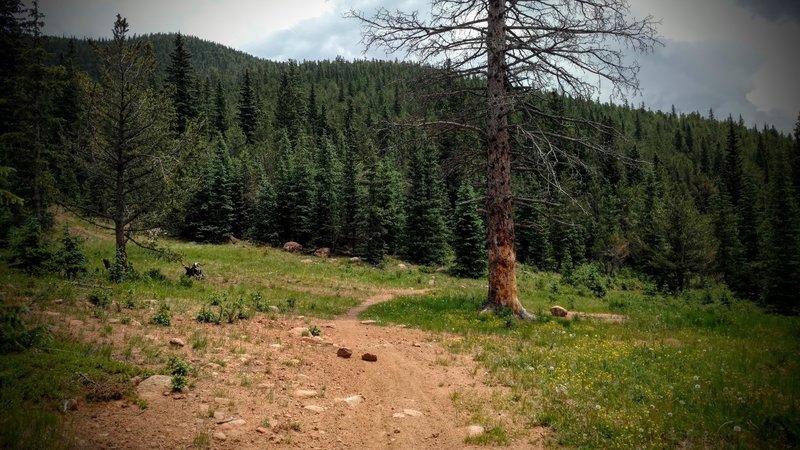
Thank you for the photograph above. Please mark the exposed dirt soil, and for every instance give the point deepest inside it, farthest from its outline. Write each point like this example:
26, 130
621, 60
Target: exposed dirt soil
261, 384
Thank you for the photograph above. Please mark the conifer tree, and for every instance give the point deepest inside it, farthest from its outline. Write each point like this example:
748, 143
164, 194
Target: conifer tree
304, 193
781, 281
349, 192
470, 235
180, 76
220, 118
248, 114
328, 183
391, 199
263, 223
371, 220
426, 226
290, 108
284, 187
211, 211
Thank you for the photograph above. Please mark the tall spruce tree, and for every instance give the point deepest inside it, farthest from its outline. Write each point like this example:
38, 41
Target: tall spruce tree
469, 243
220, 113
426, 227
248, 113
180, 77
211, 211
263, 227
329, 202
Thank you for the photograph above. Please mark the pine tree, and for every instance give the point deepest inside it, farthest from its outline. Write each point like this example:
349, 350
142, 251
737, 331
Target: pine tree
426, 226
349, 192
220, 118
290, 108
733, 175
730, 256
329, 205
248, 114
303, 188
263, 224
371, 219
284, 187
180, 76
211, 210
781, 281
391, 199
470, 235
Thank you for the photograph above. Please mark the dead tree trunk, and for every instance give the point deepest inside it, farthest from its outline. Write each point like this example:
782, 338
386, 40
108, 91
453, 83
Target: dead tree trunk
499, 207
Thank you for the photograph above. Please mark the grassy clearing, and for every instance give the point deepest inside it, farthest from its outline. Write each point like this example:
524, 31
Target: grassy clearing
698, 370
36, 384
702, 370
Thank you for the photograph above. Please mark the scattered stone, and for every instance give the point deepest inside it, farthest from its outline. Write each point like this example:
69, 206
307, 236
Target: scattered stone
219, 415
441, 269
323, 252
301, 393
154, 385
178, 397
262, 430
58, 301
402, 266
307, 261
431, 282
474, 430
220, 400
398, 415
369, 357
220, 436
368, 322
177, 341
276, 346
412, 413
213, 366
234, 424
52, 313
344, 352
299, 331
265, 386
352, 401
71, 405
355, 259
274, 309
559, 311
293, 247
416, 344
315, 408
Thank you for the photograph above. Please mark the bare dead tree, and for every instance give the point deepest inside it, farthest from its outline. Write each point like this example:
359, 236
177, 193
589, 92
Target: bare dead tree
517, 50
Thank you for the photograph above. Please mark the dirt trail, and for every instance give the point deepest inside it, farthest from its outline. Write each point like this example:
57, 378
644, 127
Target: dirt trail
262, 373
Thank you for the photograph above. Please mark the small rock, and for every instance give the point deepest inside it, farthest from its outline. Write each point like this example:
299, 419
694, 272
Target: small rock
307, 261
219, 415
177, 341
416, 344
262, 430
293, 247
315, 408
299, 331
412, 413
220, 436
368, 322
71, 405
323, 252
474, 430
276, 346
369, 357
234, 424
398, 415
402, 266
301, 393
58, 301
154, 385
352, 401
274, 309
355, 259
221, 400
441, 269
559, 311
344, 352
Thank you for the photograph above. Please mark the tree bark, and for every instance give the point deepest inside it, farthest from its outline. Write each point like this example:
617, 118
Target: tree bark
499, 207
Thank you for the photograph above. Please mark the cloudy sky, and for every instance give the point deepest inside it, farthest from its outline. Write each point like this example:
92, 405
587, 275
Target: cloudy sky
735, 56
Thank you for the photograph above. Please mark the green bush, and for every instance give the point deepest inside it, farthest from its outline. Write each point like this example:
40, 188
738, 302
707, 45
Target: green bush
100, 299
314, 330
179, 369
28, 248
15, 336
69, 257
589, 276
206, 315
163, 315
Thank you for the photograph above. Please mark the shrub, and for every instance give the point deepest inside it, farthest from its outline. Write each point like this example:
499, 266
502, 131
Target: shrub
156, 275
207, 316
179, 369
100, 299
14, 335
589, 276
70, 257
29, 250
163, 315
314, 330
